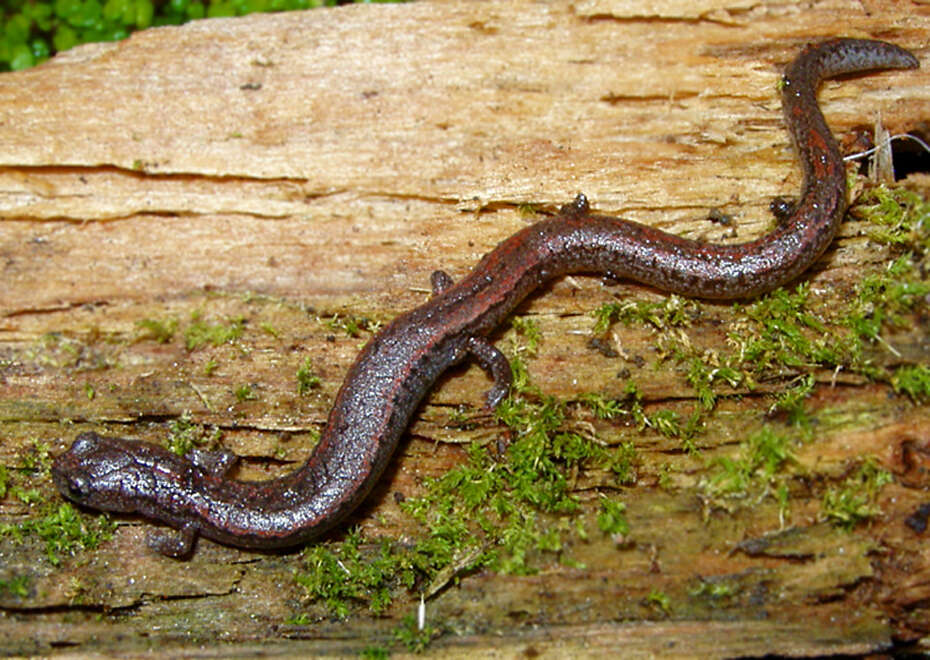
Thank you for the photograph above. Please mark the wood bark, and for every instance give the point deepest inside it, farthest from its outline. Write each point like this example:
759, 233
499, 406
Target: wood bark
288, 168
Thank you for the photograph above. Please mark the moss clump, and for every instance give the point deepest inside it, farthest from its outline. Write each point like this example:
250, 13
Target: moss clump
855, 500
200, 333
59, 526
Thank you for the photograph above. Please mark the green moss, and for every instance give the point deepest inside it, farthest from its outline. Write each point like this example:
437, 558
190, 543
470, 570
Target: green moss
786, 333
528, 330
703, 378
375, 653
791, 401
340, 574
666, 422
17, 586
324, 577
200, 333
786, 337
883, 299
612, 518
604, 408
244, 393
660, 600
855, 500
527, 211
269, 329
671, 312
900, 217
54, 349
351, 326
184, 435
715, 589
14, 486
412, 636
59, 526
756, 471
913, 380
64, 531
623, 463
665, 476
160, 331
461, 418
306, 379
36, 459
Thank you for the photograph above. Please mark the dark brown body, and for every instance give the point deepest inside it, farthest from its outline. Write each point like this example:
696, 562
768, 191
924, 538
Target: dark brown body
400, 364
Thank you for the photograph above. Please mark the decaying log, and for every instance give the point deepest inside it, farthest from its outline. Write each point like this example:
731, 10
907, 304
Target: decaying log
289, 168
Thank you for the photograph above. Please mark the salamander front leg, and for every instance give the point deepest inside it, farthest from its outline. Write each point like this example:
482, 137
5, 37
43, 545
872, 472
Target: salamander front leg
218, 462
177, 544
490, 359
497, 367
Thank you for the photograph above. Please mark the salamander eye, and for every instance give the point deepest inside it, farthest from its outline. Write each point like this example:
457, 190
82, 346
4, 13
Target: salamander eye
79, 488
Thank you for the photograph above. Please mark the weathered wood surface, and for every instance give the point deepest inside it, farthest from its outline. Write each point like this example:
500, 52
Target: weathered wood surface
285, 167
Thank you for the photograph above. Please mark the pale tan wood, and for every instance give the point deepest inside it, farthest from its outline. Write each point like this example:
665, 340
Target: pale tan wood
289, 167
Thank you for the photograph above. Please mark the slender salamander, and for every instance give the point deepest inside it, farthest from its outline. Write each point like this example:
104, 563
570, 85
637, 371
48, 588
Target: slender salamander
399, 365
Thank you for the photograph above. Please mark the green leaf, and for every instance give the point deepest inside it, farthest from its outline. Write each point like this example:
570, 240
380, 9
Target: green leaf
17, 28
117, 10
89, 15
66, 8
40, 50
64, 38
144, 13
39, 13
219, 9
22, 58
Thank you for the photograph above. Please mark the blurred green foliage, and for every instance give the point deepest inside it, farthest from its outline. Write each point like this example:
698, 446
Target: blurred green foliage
31, 31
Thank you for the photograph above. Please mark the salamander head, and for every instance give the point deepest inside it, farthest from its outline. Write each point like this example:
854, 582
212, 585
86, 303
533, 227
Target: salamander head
110, 474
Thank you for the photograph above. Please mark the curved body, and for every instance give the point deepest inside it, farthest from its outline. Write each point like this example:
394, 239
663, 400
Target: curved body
399, 365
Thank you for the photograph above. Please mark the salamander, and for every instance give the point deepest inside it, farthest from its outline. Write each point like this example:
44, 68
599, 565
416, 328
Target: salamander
394, 371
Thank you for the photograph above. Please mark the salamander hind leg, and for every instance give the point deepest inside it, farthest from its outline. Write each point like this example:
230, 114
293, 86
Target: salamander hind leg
440, 281
579, 206
497, 367
782, 209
